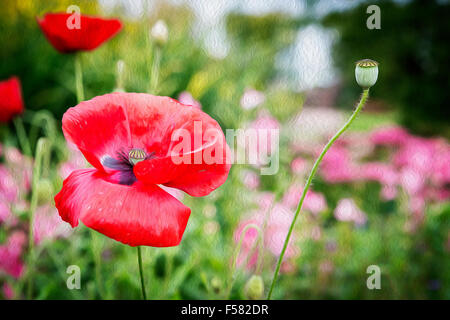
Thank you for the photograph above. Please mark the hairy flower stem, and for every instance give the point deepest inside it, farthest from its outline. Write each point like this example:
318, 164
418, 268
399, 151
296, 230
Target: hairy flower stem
308, 184
40, 150
154, 72
78, 78
141, 272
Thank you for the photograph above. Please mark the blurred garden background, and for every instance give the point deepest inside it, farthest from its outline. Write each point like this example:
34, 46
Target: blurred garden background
382, 193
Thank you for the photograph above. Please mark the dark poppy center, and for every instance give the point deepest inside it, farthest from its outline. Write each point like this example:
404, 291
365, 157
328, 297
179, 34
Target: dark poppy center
124, 162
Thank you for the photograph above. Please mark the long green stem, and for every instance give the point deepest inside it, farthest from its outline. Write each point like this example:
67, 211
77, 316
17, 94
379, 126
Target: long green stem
141, 273
154, 73
34, 199
308, 184
22, 136
78, 78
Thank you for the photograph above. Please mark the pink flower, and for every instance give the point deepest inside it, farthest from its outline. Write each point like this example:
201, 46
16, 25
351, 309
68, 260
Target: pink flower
263, 125
76, 161
248, 242
187, 99
385, 174
412, 180
417, 153
48, 225
250, 179
299, 165
346, 210
251, 99
391, 136
389, 192
8, 292
20, 168
265, 200
441, 173
10, 254
277, 226
8, 186
314, 202
337, 166
6, 216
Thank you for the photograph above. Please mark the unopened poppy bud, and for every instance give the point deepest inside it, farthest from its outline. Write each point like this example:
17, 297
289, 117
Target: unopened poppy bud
44, 191
254, 288
136, 155
366, 73
160, 32
216, 284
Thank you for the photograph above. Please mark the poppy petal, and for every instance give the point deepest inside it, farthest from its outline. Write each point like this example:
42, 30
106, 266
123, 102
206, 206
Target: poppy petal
134, 215
91, 33
99, 130
118, 122
11, 102
198, 168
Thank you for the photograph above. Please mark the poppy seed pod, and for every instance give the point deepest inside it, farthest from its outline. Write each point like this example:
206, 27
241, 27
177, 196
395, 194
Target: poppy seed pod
254, 288
366, 73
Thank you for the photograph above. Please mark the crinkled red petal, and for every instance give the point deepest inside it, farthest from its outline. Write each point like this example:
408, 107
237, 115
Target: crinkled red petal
11, 102
135, 215
61, 31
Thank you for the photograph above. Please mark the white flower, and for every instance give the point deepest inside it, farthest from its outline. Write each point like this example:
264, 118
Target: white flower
160, 32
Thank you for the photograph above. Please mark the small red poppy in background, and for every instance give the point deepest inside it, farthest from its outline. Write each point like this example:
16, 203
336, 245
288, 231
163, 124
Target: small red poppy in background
88, 35
11, 102
128, 138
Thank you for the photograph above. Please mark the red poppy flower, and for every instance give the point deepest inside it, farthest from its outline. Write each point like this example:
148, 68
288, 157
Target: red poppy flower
11, 102
92, 31
131, 140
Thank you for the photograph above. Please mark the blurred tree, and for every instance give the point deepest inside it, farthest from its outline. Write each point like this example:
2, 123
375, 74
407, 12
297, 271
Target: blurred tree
412, 49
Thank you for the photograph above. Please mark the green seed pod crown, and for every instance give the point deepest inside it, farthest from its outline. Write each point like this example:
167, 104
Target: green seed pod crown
366, 73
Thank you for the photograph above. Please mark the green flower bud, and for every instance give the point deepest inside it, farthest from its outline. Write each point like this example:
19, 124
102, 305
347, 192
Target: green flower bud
366, 73
216, 284
160, 33
44, 190
254, 288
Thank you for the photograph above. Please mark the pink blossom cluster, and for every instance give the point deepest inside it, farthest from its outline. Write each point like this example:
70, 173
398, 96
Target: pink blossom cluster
15, 194
405, 166
273, 220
